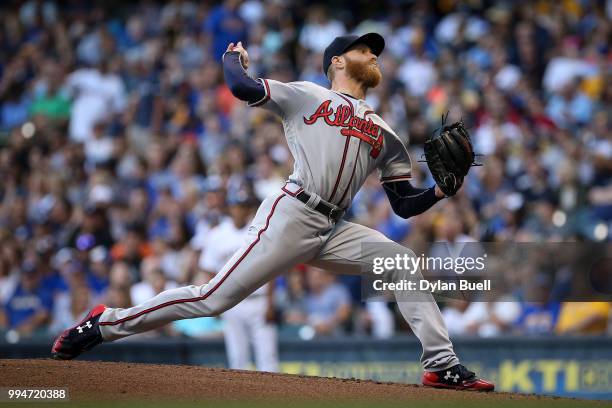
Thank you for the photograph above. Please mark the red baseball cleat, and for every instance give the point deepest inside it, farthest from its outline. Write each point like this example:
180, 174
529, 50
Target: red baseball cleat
457, 378
82, 337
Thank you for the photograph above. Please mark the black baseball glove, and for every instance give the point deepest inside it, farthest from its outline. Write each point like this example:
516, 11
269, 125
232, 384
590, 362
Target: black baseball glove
449, 155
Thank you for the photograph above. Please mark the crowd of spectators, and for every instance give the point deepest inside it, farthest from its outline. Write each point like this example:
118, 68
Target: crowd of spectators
120, 143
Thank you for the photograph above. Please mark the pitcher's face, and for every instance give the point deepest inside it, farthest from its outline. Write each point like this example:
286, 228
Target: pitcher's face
362, 66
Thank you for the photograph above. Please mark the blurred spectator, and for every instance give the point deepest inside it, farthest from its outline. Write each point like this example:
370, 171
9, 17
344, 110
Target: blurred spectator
15, 106
319, 29
570, 107
540, 313
50, 101
485, 319
378, 319
292, 298
118, 297
152, 282
417, 72
133, 247
92, 230
100, 147
225, 25
120, 276
98, 93
29, 307
326, 304
99, 269
71, 308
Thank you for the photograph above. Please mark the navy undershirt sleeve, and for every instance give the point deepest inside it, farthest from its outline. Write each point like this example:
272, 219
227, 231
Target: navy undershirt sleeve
408, 201
239, 82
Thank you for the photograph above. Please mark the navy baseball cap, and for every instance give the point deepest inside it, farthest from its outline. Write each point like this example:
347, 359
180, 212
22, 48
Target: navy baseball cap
341, 44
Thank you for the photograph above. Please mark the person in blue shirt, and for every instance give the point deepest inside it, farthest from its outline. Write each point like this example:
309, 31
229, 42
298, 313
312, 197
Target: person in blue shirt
226, 26
540, 308
327, 305
29, 307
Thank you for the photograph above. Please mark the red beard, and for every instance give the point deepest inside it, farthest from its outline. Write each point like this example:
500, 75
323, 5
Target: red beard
367, 74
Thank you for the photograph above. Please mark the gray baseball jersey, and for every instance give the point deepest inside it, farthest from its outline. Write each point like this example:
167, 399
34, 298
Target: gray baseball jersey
337, 141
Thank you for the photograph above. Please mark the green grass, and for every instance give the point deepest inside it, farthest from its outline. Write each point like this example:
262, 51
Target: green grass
518, 403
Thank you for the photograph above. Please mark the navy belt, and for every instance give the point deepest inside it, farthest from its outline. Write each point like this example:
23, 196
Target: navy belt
333, 213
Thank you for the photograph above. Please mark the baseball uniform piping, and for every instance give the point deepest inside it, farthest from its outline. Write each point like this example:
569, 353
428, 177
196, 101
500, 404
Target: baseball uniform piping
352, 174
396, 178
355, 166
290, 193
211, 291
346, 145
266, 96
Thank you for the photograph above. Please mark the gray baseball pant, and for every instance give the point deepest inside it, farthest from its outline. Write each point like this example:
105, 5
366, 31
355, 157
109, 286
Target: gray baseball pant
284, 232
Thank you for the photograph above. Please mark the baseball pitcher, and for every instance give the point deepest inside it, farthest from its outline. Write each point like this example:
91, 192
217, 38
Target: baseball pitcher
337, 140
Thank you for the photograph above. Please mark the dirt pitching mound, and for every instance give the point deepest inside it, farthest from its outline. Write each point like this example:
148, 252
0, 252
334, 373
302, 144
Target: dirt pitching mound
103, 382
